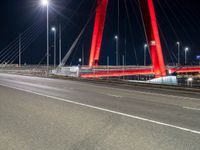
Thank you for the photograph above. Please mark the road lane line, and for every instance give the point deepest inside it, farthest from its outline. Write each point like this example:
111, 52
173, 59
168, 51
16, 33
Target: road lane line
106, 110
147, 93
112, 95
191, 108
136, 91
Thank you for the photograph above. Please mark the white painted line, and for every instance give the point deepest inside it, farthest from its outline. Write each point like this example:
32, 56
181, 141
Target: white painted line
136, 91
107, 110
148, 93
191, 108
112, 95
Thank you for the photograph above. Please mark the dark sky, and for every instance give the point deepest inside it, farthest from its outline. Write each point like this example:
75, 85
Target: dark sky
179, 20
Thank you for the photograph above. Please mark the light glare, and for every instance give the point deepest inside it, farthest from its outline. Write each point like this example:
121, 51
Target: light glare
44, 2
53, 29
187, 49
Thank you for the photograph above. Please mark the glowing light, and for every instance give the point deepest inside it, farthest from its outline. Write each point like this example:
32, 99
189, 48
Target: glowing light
187, 49
170, 71
45, 2
53, 29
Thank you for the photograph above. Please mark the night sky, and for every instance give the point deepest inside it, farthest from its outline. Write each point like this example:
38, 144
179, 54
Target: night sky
179, 20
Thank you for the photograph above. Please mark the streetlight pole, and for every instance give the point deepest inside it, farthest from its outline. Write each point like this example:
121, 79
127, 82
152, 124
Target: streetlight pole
20, 50
83, 60
117, 50
123, 61
186, 50
145, 53
178, 46
54, 31
108, 63
46, 4
60, 44
47, 36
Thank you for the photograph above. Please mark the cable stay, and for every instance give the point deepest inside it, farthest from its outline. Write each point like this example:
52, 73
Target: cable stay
27, 38
65, 59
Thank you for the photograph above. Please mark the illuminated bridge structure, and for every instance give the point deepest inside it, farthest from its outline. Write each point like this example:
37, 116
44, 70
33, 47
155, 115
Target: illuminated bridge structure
158, 68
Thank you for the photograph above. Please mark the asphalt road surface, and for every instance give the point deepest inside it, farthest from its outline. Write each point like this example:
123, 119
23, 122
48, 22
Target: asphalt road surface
51, 114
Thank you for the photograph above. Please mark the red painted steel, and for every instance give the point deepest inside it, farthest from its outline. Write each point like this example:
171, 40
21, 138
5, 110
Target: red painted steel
118, 73
185, 70
98, 32
151, 30
153, 37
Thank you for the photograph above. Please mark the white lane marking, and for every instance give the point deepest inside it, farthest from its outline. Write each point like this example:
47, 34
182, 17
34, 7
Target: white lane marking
112, 95
191, 108
92, 84
106, 110
147, 93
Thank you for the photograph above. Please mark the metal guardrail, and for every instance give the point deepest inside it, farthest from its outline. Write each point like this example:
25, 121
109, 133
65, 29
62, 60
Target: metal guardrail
42, 72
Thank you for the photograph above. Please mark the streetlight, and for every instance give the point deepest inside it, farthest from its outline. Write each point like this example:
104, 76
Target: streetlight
145, 53
186, 50
178, 46
53, 29
117, 49
45, 3
79, 60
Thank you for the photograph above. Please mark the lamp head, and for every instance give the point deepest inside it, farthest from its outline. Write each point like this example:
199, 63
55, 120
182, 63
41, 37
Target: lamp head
53, 29
45, 2
187, 49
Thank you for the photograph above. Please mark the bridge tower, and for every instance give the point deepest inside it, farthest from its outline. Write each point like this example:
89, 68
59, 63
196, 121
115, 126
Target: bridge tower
98, 32
152, 35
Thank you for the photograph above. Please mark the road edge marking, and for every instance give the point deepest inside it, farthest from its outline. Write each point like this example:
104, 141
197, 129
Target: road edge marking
106, 110
192, 108
114, 88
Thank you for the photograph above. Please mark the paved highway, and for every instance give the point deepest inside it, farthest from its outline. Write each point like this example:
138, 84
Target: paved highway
51, 114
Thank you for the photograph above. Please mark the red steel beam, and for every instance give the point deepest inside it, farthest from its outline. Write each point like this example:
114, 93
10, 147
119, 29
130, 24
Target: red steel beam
118, 73
98, 32
153, 37
185, 70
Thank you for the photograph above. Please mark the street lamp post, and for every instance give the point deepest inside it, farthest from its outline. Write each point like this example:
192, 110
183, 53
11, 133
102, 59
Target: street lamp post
117, 50
186, 50
108, 63
54, 31
178, 46
145, 53
123, 61
20, 52
60, 44
46, 3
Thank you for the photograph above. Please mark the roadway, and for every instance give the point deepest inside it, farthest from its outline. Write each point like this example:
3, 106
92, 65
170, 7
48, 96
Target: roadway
48, 114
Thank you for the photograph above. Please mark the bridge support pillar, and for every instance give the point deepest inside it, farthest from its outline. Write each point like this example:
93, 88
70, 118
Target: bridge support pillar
153, 37
98, 32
